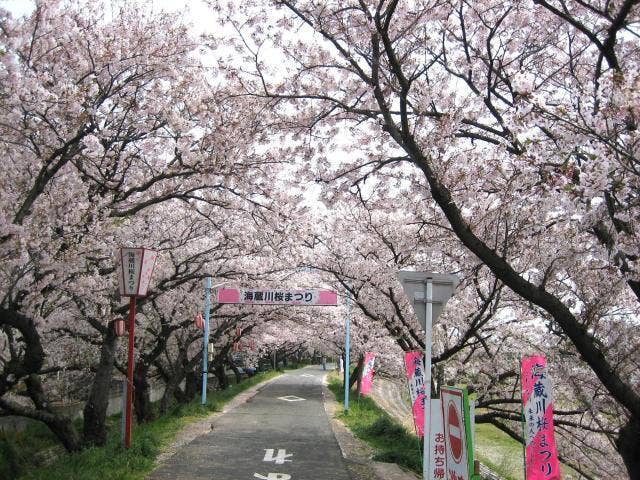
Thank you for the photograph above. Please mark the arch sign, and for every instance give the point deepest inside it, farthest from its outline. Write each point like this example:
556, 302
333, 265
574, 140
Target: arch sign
457, 432
268, 296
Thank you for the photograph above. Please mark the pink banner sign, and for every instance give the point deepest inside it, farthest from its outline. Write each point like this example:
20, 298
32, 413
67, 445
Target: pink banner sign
367, 374
541, 454
414, 364
263, 296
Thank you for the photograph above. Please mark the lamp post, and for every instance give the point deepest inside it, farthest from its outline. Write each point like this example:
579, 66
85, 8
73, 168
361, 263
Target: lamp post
347, 348
135, 267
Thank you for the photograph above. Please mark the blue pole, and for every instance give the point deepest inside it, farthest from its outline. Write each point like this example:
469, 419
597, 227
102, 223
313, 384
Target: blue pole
347, 347
205, 339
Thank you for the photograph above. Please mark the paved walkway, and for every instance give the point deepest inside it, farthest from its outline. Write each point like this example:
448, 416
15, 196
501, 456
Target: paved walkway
282, 433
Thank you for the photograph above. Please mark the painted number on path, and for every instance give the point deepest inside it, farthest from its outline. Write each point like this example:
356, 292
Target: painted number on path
273, 476
279, 459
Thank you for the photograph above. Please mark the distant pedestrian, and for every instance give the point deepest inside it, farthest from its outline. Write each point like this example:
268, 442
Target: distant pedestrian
324, 362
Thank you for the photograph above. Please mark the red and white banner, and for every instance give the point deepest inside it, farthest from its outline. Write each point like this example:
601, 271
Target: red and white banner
263, 296
438, 462
367, 373
541, 454
414, 364
455, 432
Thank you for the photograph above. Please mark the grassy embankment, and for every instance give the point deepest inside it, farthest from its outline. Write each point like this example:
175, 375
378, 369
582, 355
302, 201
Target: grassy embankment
392, 443
23, 455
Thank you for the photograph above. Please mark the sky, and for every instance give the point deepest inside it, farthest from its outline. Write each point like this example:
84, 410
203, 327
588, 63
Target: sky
196, 10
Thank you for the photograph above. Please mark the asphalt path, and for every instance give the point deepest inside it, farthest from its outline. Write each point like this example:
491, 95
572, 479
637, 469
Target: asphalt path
281, 433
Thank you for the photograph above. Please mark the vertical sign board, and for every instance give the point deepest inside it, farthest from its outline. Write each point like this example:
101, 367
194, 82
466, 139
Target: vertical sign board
541, 454
367, 373
438, 445
457, 432
135, 267
414, 365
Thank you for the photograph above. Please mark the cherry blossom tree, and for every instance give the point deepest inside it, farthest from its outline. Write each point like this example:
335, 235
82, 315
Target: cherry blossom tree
516, 121
114, 135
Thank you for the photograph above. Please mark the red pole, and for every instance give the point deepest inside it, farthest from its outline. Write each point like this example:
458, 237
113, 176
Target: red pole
132, 326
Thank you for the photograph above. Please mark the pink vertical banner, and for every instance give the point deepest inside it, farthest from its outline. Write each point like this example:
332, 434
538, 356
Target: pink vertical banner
541, 454
414, 364
367, 374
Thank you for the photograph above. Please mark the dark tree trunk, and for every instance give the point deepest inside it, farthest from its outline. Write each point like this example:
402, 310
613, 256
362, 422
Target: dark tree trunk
60, 425
95, 409
141, 393
171, 389
193, 384
628, 444
236, 372
355, 375
358, 377
220, 374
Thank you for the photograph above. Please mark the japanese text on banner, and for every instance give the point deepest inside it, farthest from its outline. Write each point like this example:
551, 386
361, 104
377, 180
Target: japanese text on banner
541, 455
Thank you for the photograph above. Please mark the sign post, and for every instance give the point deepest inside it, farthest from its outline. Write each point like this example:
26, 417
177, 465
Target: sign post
205, 339
135, 266
347, 348
428, 293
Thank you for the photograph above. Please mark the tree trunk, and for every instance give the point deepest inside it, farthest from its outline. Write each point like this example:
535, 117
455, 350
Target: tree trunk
236, 372
141, 394
360, 370
223, 381
354, 376
193, 384
60, 425
172, 386
95, 409
628, 444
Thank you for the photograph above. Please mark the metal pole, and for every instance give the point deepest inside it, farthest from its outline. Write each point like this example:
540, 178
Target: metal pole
132, 326
347, 347
428, 329
205, 339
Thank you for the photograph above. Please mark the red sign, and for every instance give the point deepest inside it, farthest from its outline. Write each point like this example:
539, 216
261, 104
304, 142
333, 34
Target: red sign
457, 432
454, 432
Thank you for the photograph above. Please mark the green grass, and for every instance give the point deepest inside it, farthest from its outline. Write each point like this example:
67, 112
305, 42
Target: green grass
498, 451
391, 442
113, 461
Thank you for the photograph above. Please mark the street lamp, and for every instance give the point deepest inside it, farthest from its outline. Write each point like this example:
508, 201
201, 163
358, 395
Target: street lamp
135, 267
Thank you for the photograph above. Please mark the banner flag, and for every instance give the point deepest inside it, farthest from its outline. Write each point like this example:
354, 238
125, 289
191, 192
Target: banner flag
541, 454
414, 364
367, 373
